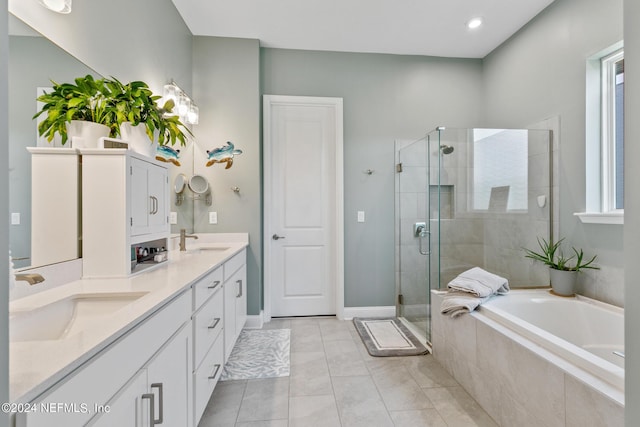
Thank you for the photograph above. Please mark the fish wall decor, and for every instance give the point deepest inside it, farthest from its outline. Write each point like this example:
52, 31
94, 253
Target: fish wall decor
223, 155
164, 153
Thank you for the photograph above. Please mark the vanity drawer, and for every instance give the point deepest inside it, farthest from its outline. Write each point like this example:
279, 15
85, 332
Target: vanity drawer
206, 287
206, 377
207, 324
234, 264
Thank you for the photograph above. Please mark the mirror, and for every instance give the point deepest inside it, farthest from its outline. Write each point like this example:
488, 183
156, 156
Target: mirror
34, 60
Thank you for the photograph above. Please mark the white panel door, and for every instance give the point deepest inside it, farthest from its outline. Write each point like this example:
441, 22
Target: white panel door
303, 204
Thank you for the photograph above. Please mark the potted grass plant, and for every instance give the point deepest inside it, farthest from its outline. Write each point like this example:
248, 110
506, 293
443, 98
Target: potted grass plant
563, 270
107, 104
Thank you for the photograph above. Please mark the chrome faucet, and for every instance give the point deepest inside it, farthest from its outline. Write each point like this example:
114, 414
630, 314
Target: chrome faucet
183, 237
30, 278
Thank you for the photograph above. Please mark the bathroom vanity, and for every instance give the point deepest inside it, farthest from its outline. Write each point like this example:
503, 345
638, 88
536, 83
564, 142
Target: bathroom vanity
141, 350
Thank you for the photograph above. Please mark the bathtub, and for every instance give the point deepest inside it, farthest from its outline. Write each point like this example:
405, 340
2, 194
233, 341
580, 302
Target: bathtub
584, 332
530, 358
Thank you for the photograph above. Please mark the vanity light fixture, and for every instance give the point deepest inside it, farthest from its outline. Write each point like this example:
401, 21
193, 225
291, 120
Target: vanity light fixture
474, 23
184, 107
193, 115
60, 6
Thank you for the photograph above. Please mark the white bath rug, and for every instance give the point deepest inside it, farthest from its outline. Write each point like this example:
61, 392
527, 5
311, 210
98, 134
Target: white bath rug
259, 353
388, 337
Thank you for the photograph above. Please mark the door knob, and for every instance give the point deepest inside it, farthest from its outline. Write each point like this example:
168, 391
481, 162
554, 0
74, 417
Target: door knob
276, 237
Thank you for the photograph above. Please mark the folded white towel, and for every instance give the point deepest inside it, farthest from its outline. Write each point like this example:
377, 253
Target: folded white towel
457, 303
480, 283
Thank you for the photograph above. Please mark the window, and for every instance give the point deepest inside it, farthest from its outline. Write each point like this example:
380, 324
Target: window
604, 142
500, 170
612, 72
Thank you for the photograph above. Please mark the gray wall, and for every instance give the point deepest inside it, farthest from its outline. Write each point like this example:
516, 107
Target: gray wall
4, 217
539, 73
386, 97
226, 81
632, 212
119, 38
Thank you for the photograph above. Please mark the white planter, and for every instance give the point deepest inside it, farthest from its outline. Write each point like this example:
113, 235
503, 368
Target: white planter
138, 139
84, 134
563, 282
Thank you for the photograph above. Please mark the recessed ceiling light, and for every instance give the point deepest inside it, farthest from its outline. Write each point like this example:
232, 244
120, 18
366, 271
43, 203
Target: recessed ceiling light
474, 23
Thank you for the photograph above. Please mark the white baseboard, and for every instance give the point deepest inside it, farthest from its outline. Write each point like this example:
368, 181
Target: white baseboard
382, 311
255, 321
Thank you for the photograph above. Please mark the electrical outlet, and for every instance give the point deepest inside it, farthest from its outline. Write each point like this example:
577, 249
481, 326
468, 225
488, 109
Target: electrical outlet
360, 216
213, 217
15, 218
173, 217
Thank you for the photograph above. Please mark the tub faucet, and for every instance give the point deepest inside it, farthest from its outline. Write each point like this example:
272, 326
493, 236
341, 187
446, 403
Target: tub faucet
30, 278
183, 239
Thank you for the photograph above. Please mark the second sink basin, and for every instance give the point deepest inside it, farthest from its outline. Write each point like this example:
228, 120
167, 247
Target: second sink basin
202, 249
67, 316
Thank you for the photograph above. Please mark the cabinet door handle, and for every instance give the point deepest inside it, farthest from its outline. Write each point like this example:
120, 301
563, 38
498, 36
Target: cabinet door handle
161, 405
239, 282
215, 285
215, 323
152, 412
155, 205
213, 376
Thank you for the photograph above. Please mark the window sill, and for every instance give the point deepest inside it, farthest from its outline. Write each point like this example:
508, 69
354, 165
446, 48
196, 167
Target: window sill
601, 218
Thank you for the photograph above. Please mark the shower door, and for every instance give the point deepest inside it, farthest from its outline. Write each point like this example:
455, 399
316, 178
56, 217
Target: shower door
413, 235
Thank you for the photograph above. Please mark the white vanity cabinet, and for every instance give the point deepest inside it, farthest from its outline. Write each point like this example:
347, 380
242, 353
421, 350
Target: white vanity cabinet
55, 205
149, 197
208, 338
160, 390
235, 299
125, 202
157, 351
220, 312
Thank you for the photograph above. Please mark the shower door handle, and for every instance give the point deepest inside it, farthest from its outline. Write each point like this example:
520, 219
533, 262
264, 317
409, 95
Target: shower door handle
420, 231
423, 234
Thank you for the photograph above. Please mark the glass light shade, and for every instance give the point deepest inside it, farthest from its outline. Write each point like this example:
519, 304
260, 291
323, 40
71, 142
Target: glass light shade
60, 6
193, 115
172, 92
184, 103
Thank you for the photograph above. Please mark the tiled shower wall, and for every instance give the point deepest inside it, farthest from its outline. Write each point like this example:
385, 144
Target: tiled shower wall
492, 239
489, 239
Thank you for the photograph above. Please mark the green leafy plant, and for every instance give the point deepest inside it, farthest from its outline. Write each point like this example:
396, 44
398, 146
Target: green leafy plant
551, 254
111, 103
136, 104
88, 100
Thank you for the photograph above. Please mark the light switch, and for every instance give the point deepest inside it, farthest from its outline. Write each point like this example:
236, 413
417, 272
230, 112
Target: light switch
213, 217
15, 218
173, 217
360, 216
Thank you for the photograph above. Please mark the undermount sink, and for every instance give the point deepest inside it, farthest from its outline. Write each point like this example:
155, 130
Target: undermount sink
202, 249
67, 316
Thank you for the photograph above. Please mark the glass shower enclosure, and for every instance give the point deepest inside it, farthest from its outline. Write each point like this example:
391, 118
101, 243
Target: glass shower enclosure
466, 198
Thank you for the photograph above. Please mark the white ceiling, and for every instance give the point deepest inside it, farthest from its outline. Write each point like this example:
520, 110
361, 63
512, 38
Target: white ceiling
413, 27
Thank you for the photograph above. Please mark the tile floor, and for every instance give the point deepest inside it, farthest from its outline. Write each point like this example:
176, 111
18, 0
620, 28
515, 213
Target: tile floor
334, 382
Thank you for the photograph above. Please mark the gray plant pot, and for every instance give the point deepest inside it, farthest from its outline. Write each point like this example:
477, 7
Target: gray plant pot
563, 282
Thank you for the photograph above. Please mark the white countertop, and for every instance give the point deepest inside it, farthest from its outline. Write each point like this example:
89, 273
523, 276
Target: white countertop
37, 365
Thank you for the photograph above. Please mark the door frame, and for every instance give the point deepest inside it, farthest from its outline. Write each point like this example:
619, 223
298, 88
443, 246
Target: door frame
338, 275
